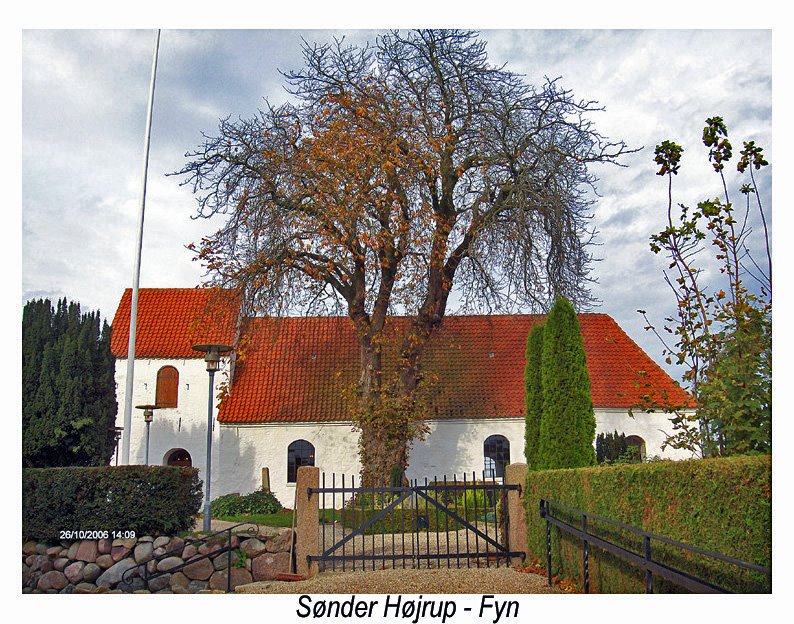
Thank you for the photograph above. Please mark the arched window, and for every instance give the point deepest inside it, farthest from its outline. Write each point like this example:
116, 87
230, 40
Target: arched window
496, 450
299, 453
178, 457
636, 445
167, 387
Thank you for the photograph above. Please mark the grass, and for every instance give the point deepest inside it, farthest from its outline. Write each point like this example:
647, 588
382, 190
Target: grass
281, 519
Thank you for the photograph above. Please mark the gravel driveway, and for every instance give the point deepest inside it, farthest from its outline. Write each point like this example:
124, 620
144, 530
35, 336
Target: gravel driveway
463, 581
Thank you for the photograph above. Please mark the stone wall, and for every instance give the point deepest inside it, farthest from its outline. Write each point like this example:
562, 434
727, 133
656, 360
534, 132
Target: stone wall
97, 566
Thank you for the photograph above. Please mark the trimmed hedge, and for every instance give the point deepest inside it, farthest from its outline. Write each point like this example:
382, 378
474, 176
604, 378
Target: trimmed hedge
723, 505
258, 502
149, 500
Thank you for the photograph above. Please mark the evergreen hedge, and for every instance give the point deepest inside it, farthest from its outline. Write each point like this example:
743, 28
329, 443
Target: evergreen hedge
149, 500
723, 505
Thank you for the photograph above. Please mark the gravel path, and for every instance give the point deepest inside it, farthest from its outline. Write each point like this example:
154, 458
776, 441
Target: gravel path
462, 581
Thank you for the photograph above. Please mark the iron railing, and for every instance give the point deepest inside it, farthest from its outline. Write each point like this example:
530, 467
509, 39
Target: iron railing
643, 560
142, 569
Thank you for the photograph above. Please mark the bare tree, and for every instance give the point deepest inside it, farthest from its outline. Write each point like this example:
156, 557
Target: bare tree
403, 171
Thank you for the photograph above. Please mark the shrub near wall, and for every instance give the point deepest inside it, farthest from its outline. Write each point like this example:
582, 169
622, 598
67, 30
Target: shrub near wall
144, 499
722, 505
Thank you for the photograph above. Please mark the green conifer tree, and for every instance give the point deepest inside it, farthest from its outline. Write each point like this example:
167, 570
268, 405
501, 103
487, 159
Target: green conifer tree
533, 396
567, 427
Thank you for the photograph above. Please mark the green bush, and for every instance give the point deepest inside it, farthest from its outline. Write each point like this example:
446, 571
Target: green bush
149, 500
258, 502
723, 505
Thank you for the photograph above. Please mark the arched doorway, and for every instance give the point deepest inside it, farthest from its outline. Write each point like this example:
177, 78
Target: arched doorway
496, 452
636, 445
178, 457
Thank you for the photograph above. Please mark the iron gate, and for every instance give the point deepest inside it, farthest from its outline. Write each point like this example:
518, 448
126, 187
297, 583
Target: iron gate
447, 522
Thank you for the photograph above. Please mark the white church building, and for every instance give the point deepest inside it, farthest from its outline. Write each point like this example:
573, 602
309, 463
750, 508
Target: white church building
283, 391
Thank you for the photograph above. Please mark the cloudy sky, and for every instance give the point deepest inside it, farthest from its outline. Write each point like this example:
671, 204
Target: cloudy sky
84, 96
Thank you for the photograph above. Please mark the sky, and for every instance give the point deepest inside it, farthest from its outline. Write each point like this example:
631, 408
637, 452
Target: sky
84, 99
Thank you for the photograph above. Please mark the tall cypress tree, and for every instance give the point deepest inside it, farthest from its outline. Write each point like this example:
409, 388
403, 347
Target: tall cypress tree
533, 395
68, 393
567, 427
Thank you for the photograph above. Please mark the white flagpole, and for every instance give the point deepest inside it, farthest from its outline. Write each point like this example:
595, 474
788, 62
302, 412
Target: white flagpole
125, 445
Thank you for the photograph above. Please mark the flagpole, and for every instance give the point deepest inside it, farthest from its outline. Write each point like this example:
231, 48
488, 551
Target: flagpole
128, 388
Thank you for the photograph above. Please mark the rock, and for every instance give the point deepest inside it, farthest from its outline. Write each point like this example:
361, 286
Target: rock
189, 551
74, 572
41, 563
72, 552
127, 543
195, 587
87, 551
41, 548
141, 591
29, 560
132, 586
52, 580
267, 531
161, 541
164, 591
221, 562
280, 543
119, 552
85, 588
112, 576
102, 590
159, 551
239, 576
91, 572
178, 581
27, 590
69, 589
54, 551
60, 563
176, 545
34, 579
253, 547
104, 546
143, 552
265, 567
104, 561
25, 574
169, 563
201, 570
145, 538
29, 548
159, 583
151, 567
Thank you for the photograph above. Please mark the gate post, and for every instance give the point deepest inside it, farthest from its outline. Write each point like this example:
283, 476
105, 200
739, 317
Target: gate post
516, 474
307, 510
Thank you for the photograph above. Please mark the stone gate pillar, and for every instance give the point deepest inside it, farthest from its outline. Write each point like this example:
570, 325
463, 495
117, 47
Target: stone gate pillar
516, 474
307, 510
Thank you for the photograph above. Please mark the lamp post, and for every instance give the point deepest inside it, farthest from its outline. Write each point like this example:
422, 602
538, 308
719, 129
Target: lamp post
148, 416
212, 357
117, 432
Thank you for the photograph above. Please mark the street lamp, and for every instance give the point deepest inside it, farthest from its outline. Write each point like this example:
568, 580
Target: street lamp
117, 433
212, 356
148, 416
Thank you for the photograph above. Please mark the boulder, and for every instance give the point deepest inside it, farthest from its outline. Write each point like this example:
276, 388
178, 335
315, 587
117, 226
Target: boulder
91, 572
195, 587
54, 551
41, 563
29, 548
112, 576
25, 574
74, 572
239, 576
175, 545
41, 548
161, 541
52, 580
104, 561
266, 566
87, 551
169, 563
159, 583
132, 585
85, 588
221, 562
104, 546
143, 552
253, 547
281, 542
145, 538
127, 543
178, 581
201, 570
72, 552
60, 563
191, 550
119, 552
69, 589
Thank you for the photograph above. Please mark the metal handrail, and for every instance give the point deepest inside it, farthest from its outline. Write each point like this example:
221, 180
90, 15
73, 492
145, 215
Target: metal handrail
147, 576
643, 560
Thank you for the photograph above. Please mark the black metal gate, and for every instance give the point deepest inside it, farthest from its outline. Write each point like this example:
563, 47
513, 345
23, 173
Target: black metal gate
440, 523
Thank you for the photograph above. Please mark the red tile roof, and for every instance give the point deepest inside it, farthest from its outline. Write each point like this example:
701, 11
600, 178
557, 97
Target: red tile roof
172, 320
300, 369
